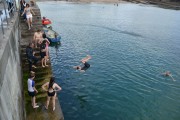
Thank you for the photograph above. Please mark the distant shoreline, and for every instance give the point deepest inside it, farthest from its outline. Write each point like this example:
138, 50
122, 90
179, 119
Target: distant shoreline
167, 5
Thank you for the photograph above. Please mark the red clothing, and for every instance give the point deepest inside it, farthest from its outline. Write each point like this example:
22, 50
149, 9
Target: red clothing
46, 21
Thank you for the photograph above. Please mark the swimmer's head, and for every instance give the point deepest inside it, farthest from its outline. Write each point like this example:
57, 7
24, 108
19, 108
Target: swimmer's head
77, 67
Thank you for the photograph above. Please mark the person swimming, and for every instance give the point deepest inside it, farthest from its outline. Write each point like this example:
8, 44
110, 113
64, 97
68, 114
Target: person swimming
168, 74
86, 64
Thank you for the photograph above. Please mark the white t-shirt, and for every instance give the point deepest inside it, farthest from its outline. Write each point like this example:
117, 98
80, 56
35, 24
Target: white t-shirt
31, 84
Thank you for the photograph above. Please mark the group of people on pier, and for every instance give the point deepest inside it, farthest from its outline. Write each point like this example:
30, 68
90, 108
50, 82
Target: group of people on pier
50, 87
39, 41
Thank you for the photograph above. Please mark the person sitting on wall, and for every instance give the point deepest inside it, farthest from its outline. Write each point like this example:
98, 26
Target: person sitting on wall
30, 56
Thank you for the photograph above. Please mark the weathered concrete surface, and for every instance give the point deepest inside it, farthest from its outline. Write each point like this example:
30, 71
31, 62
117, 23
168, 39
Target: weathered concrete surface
11, 90
42, 75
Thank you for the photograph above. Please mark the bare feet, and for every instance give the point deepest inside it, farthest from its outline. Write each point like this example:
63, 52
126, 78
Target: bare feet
34, 66
53, 108
36, 106
32, 72
43, 66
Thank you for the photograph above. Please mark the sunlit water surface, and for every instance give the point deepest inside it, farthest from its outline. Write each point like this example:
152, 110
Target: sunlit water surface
131, 45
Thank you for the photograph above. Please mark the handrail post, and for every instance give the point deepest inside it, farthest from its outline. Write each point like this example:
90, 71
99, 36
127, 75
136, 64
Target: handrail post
2, 23
14, 5
5, 13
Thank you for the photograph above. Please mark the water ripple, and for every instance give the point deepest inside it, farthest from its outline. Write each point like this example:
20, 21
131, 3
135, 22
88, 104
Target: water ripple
124, 81
107, 28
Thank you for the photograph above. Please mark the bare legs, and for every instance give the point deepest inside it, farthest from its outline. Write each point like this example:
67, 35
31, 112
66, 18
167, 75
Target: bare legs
86, 59
47, 102
53, 101
29, 25
34, 104
47, 54
29, 21
43, 62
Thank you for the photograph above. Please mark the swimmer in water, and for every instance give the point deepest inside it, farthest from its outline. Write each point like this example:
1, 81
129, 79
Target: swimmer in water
86, 64
168, 74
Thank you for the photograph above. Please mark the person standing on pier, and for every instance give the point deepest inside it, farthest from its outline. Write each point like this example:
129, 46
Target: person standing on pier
51, 87
47, 46
43, 54
37, 38
28, 12
32, 90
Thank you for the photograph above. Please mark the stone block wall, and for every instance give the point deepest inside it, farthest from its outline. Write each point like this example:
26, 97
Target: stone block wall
11, 93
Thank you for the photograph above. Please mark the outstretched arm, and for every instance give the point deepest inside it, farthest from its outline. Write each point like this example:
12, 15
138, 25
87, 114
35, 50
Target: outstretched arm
86, 59
23, 12
172, 77
32, 11
44, 85
58, 87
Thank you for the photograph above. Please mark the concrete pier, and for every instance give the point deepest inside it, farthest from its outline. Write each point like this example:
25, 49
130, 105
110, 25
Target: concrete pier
42, 75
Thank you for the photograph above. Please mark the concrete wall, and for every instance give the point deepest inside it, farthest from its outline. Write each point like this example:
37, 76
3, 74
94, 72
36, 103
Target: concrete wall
11, 96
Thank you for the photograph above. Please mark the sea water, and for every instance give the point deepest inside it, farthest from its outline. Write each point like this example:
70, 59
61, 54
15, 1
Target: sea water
131, 45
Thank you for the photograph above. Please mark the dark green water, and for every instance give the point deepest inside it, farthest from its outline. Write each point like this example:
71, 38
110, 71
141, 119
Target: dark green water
131, 45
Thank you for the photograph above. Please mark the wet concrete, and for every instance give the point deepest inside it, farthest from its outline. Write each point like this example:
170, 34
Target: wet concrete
42, 75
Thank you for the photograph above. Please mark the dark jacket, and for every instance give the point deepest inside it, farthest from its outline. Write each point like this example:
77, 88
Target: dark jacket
29, 52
